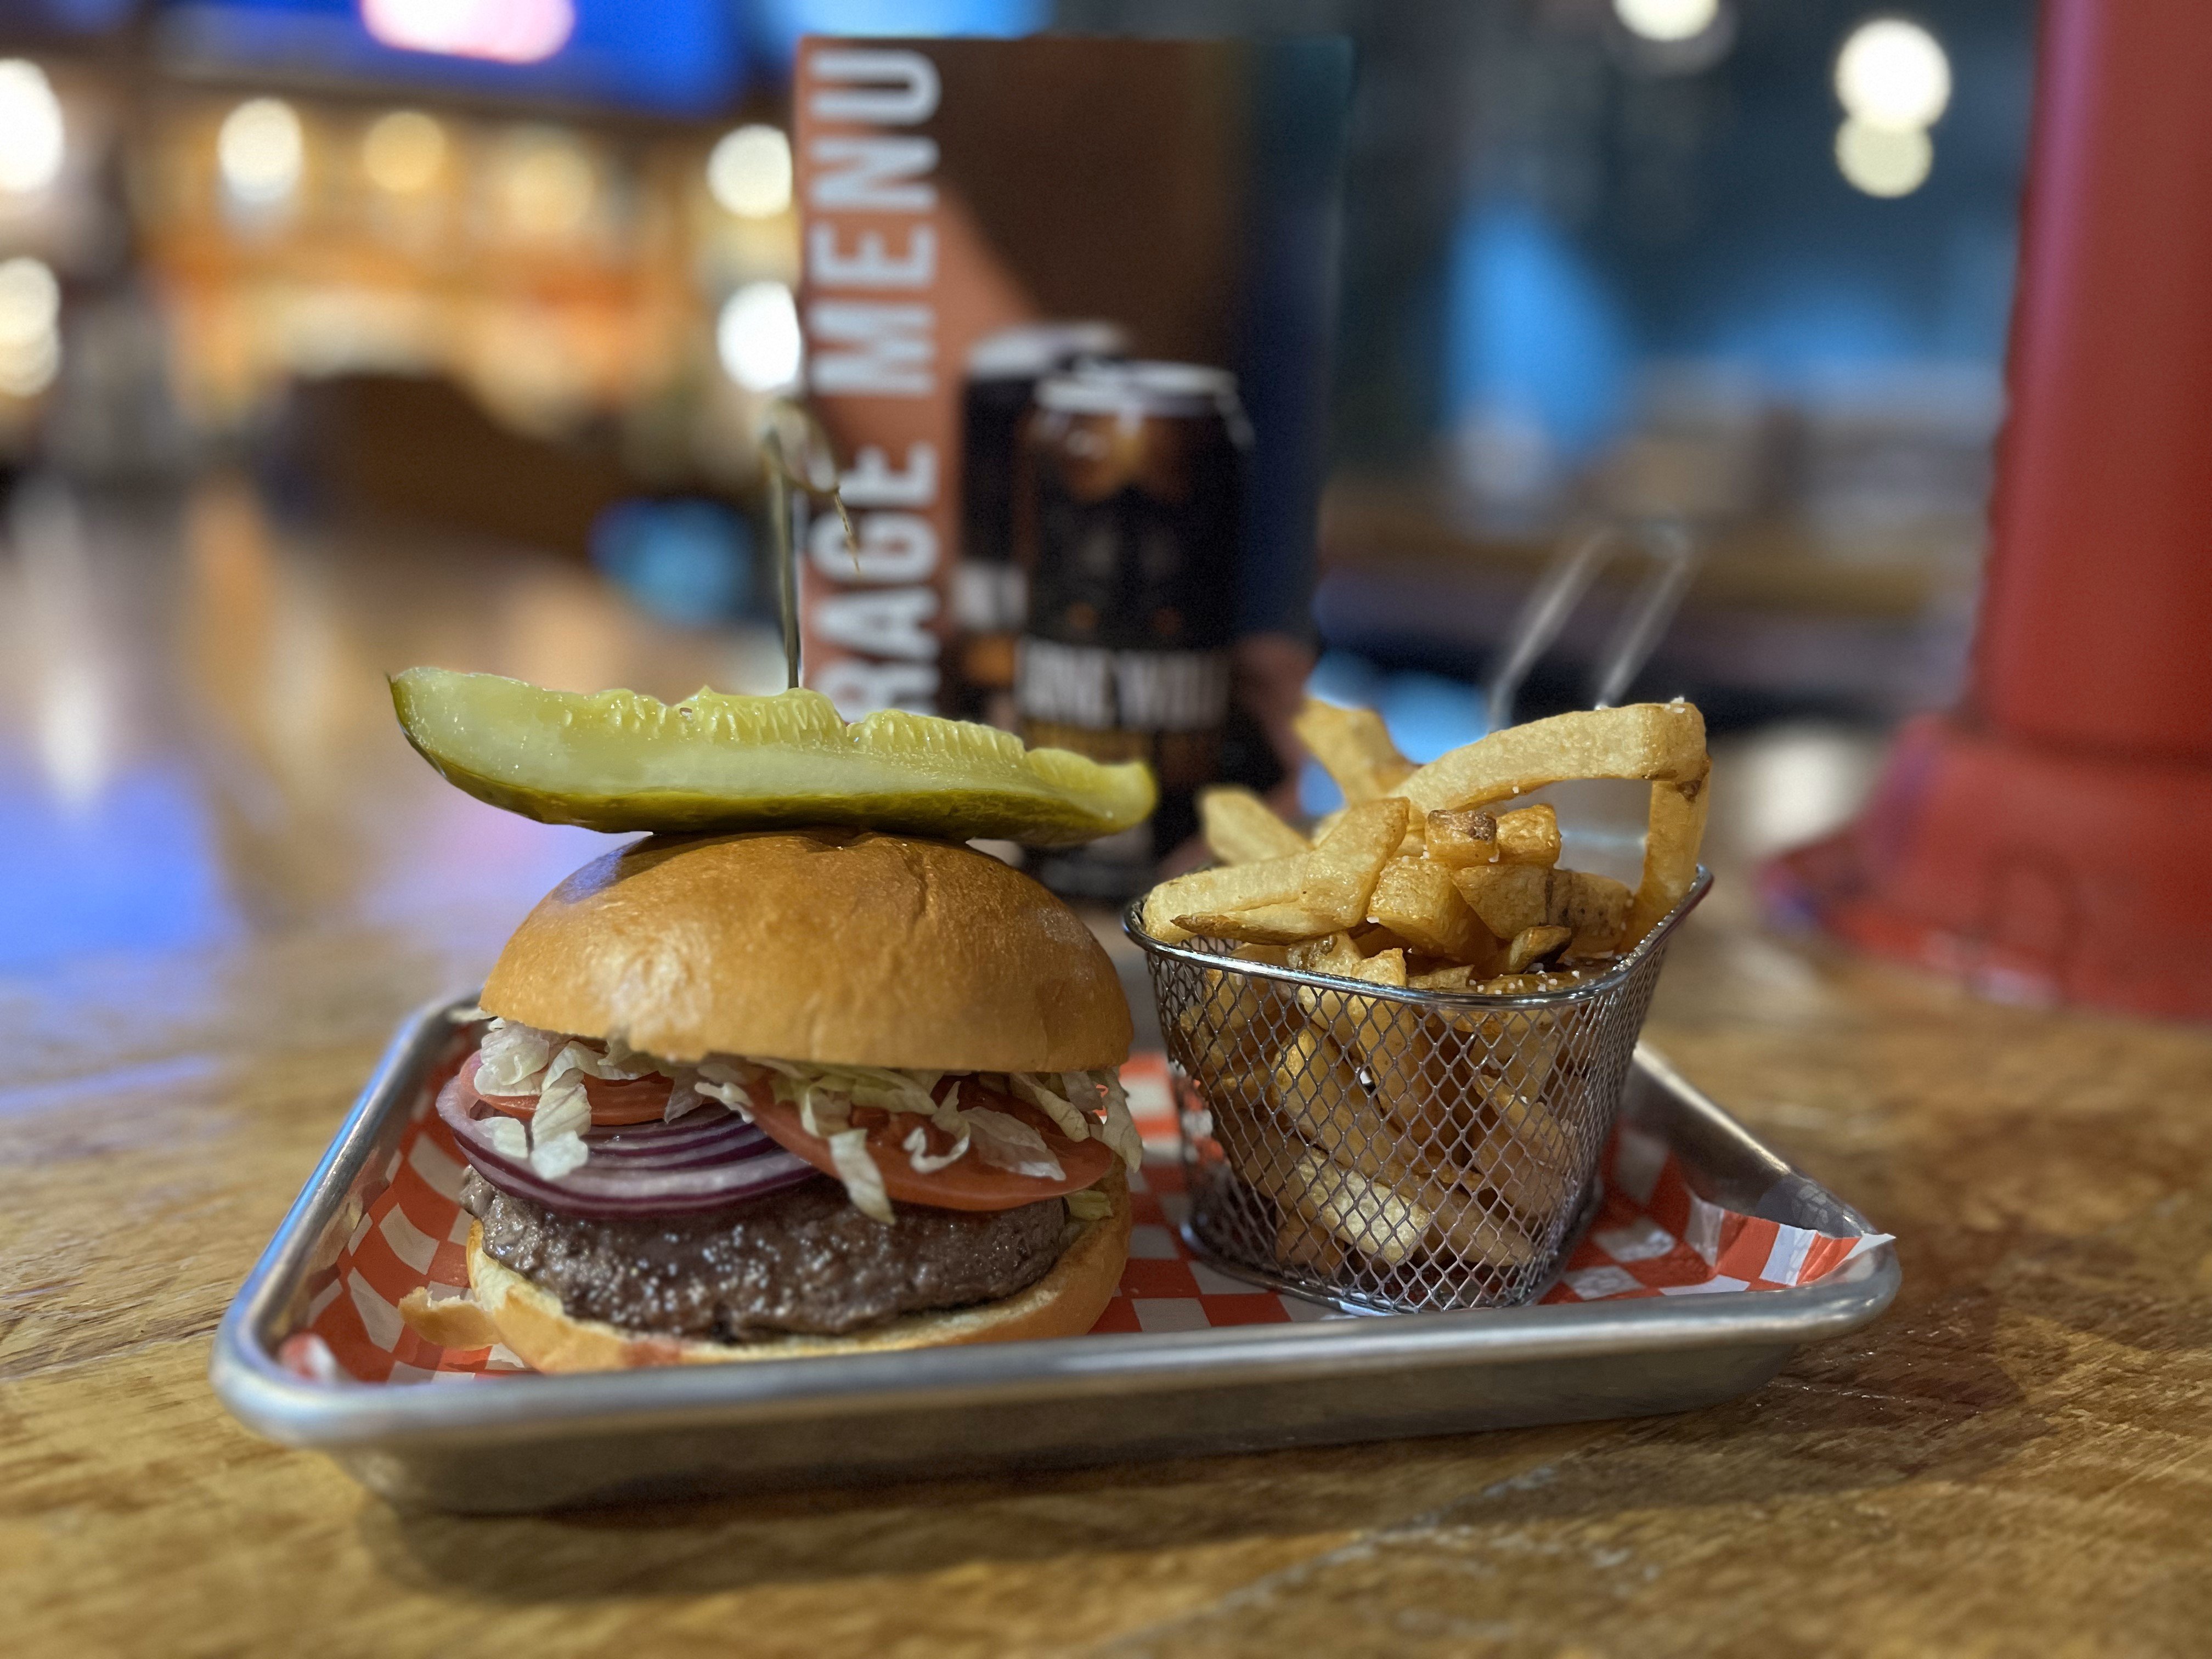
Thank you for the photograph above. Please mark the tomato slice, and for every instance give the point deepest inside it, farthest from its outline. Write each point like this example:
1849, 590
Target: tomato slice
641, 1100
968, 1184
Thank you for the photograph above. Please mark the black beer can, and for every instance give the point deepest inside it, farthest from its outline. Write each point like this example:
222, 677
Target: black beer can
990, 600
1129, 519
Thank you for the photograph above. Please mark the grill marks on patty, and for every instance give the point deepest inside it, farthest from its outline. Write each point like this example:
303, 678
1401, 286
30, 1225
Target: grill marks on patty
802, 1261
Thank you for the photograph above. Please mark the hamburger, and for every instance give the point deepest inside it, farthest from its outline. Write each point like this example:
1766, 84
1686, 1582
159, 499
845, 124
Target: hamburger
789, 1093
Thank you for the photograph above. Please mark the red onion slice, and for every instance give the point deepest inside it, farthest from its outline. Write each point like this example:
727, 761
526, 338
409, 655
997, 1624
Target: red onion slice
681, 1169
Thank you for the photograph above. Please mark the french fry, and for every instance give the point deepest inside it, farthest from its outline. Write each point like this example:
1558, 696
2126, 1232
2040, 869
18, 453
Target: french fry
1340, 873
1339, 1013
1481, 1231
1532, 947
1356, 1211
1298, 1242
1447, 1104
1354, 748
1677, 828
1331, 953
1372, 939
1276, 956
1658, 742
1458, 977
1319, 1095
1310, 1070
1417, 901
1318, 1092
1241, 887
1530, 835
1597, 910
1511, 898
1457, 839
1398, 1046
1241, 828
1471, 836
1383, 967
1523, 1158
1234, 1075
1664, 743
1229, 1045
1264, 924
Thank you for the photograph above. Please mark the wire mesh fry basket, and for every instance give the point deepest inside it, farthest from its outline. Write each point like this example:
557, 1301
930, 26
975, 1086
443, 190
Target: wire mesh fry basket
1392, 1150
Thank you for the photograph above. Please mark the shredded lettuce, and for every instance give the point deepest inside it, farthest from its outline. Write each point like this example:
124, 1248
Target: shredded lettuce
864, 1183
1005, 1142
683, 1096
507, 1136
511, 1060
555, 1156
1063, 1112
522, 1060
1120, 1131
924, 1161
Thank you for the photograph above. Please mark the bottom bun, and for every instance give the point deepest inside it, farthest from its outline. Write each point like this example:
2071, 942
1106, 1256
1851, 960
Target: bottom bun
1065, 1301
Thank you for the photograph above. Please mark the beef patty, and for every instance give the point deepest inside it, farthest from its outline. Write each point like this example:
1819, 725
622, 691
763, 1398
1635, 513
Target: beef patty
801, 1260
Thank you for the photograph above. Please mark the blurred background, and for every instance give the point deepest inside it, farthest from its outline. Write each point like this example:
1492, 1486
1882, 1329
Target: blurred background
340, 335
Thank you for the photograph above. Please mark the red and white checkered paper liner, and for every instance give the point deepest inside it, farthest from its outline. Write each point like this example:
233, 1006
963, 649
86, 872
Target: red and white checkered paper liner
1653, 1236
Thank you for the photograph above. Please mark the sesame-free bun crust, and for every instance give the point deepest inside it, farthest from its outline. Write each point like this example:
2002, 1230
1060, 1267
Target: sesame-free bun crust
827, 945
1065, 1301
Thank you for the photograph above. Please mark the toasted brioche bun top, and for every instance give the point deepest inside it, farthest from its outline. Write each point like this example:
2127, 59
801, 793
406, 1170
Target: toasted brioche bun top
827, 945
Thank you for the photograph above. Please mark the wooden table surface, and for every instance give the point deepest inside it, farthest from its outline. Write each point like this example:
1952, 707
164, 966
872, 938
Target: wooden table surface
226, 877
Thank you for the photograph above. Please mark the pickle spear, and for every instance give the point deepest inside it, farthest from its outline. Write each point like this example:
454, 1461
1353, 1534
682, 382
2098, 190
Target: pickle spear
718, 761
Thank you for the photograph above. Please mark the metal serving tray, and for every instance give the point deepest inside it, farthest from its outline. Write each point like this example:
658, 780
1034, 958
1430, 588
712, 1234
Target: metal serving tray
533, 1443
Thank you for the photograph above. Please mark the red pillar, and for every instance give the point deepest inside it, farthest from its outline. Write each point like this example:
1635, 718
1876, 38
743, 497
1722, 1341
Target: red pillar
2053, 837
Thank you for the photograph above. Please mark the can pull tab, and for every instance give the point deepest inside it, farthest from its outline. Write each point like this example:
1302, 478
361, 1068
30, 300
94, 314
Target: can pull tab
796, 454
1674, 555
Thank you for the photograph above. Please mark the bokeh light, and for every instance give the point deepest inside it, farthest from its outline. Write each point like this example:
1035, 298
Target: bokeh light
1893, 75
503, 31
31, 137
30, 326
262, 151
1667, 20
757, 336
748, 172
404, 152
546, 183
1884, 161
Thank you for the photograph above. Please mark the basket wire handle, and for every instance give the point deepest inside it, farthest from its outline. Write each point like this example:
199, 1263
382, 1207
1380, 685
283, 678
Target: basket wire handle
1582, 554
